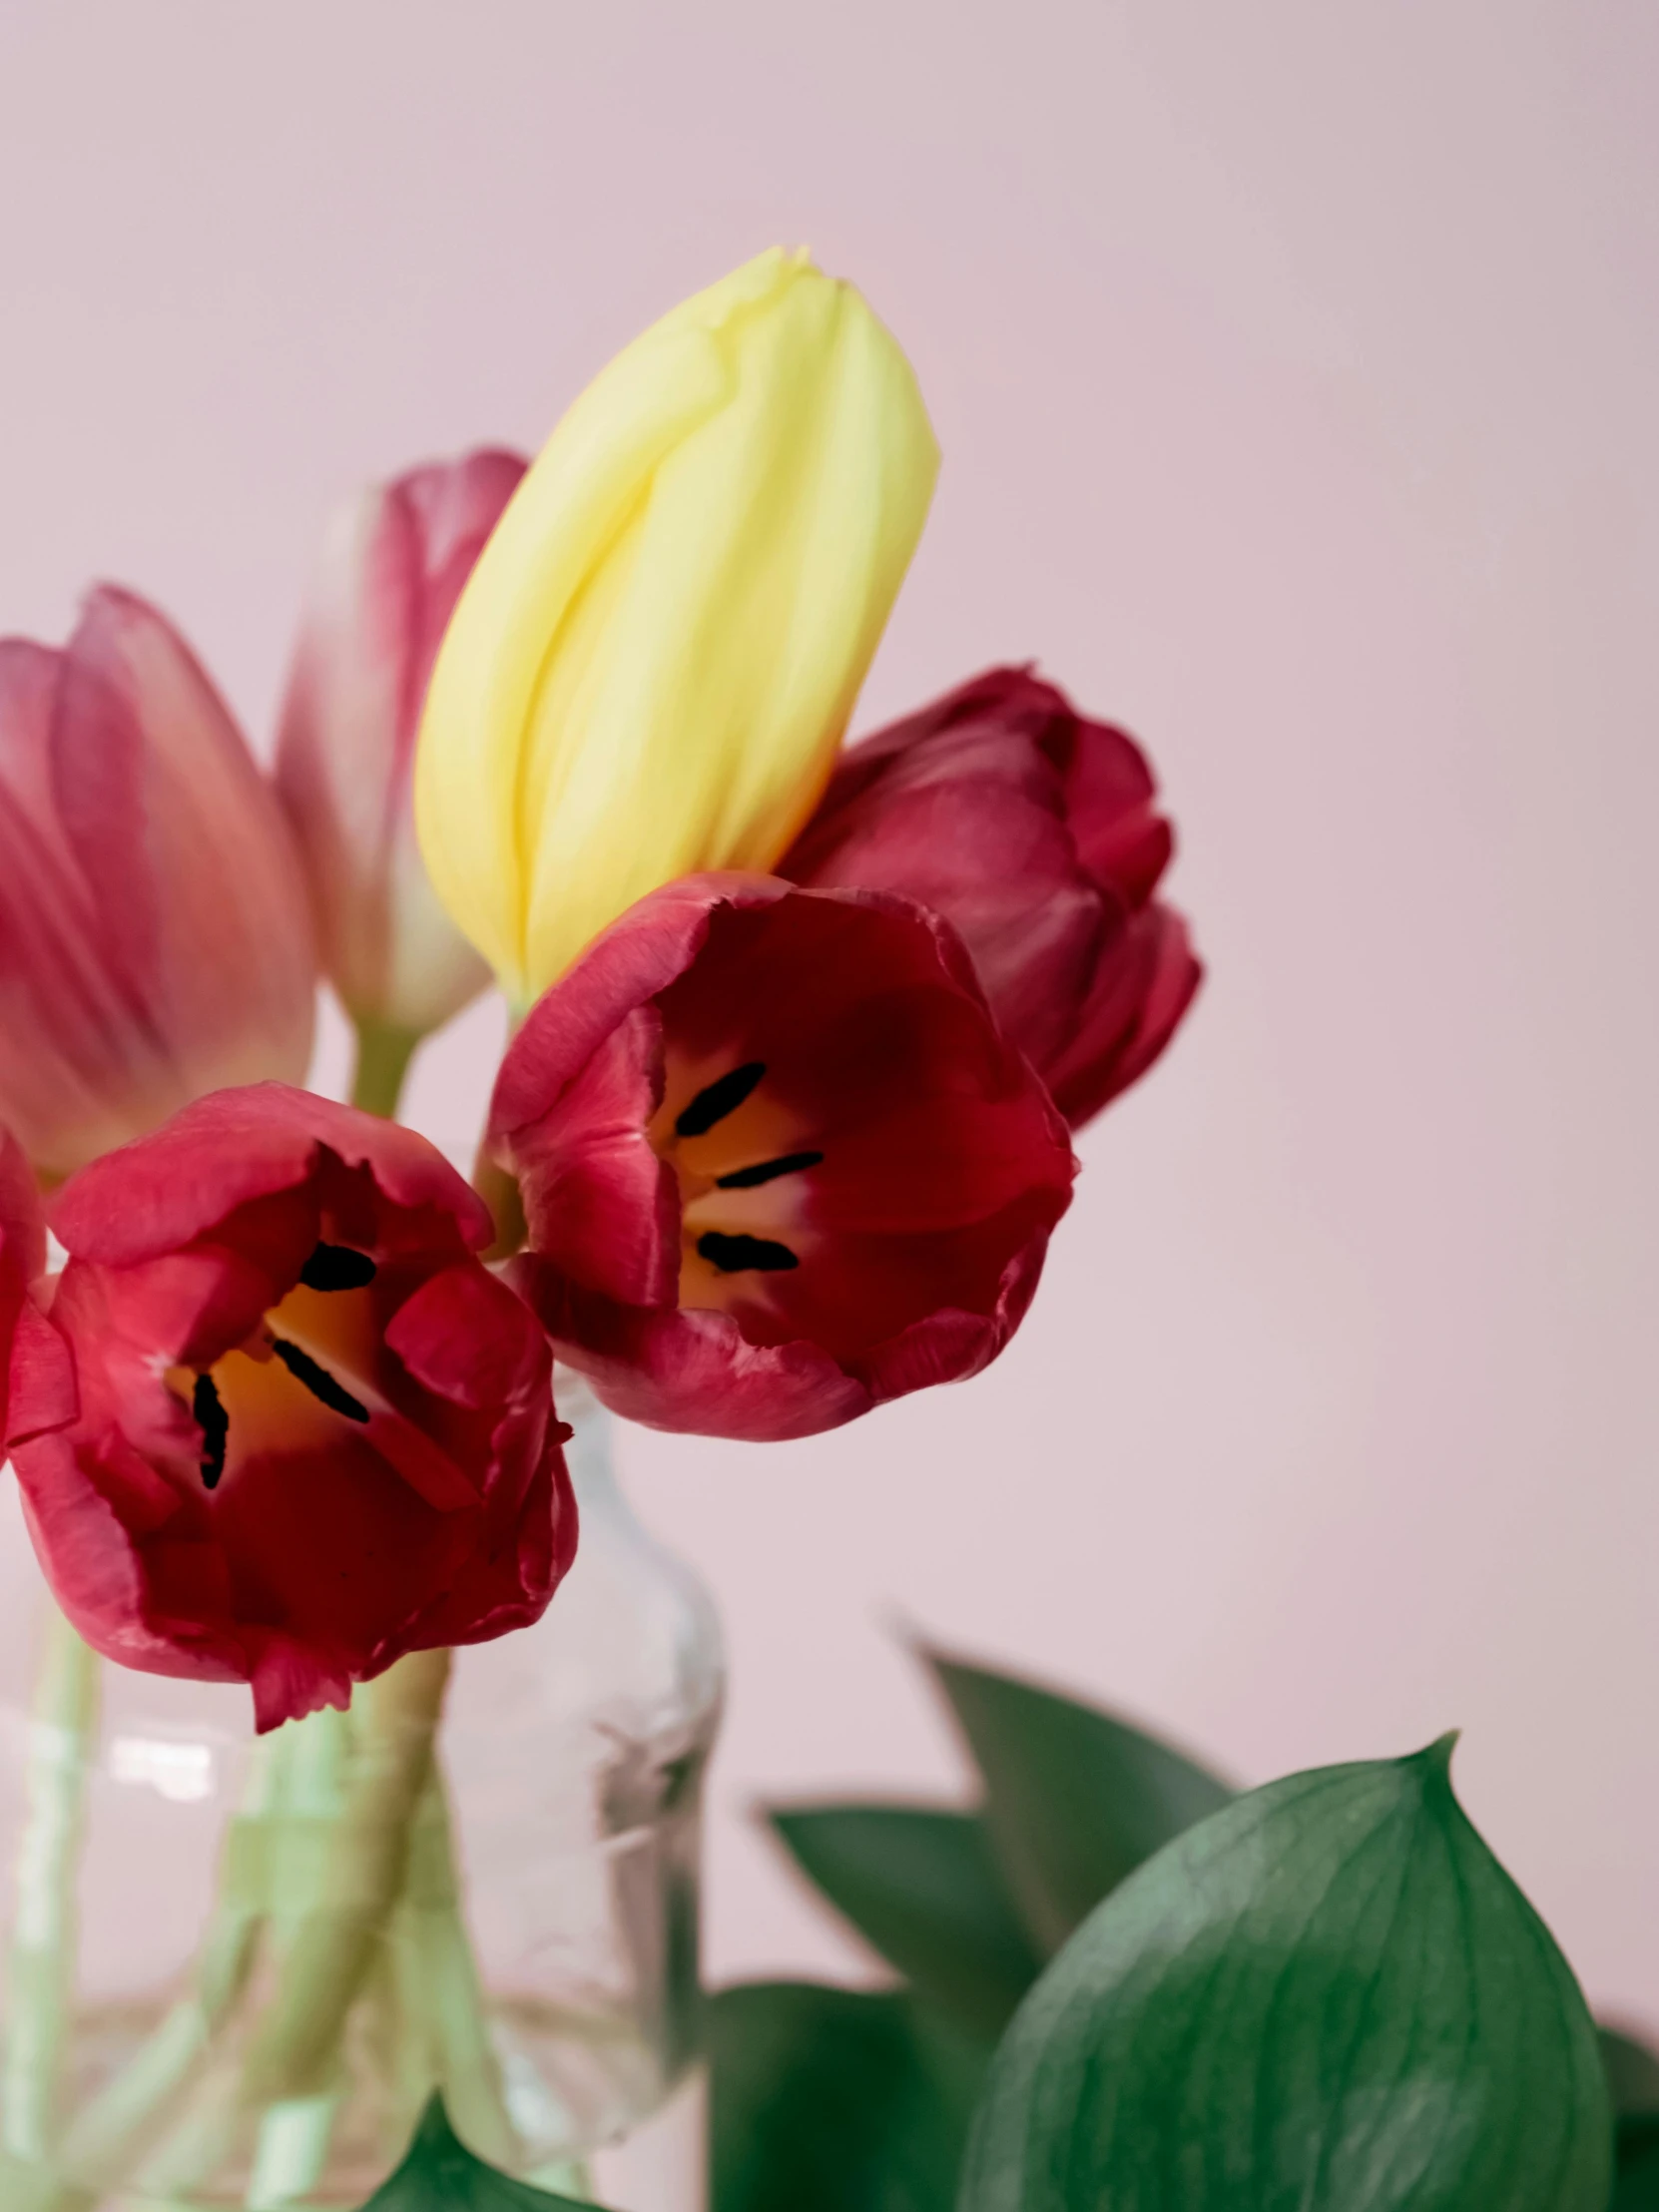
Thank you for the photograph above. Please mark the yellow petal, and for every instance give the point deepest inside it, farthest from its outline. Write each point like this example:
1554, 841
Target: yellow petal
656, 657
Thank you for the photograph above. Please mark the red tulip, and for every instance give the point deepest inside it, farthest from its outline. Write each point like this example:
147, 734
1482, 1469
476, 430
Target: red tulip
776, 1162
1035, 832
22, 1249
392, 569
279, 1424
155, 936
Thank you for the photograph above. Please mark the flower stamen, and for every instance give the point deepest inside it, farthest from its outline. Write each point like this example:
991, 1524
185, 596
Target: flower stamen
717, 1099
317, 1379
768, 1171
215, 1424
732, 1254
338, 1268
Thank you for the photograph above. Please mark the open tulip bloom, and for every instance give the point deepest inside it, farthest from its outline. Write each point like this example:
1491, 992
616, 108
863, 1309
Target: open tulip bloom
281, 1425
800, 1033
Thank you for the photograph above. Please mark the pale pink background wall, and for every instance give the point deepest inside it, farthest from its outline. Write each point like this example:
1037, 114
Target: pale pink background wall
1294, 366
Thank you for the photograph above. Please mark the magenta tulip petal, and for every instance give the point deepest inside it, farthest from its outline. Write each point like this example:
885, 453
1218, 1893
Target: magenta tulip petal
392, 569
1036, 833
155, 933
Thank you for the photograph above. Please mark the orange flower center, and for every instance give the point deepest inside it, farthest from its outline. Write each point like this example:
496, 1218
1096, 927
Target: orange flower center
743, 1160
307, 1379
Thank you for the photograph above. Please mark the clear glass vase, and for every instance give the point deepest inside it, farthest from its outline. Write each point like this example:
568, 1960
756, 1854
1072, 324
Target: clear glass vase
187, 1912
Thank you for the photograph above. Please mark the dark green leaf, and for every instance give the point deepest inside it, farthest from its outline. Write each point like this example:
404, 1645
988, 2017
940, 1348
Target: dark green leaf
1637, 2186
923, 1886
835, 2100
442, 2175
1633, 2078
1632, 2074
1074, 1799
1328, 1998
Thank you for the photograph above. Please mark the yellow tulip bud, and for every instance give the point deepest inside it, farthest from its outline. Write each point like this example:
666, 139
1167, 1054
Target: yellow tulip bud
653, 663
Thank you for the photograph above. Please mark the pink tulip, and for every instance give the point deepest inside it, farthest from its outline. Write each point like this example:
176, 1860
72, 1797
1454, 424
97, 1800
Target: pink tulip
155, 941
392, 569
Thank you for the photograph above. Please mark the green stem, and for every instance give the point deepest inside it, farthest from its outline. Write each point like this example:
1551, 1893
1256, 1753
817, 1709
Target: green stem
41, 1978
444, 1989
383, 1056
293, 2151
293, 2050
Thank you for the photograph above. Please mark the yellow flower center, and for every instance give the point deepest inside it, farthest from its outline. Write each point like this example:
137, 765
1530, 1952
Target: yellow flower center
307, 1379
741, 1158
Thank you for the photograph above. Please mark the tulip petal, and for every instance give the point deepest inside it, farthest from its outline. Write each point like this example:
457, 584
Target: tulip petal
688, 1371
1036, 833
22, 1252
154, 926
279, 1424
1130, 1016
654, 661
393, 566
235, 1146
860, 1174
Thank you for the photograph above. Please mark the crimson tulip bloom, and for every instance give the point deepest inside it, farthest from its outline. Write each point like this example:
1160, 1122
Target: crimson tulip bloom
392, 569
155, 933
22, 1249
1035, 832
776, 1162
279, 1424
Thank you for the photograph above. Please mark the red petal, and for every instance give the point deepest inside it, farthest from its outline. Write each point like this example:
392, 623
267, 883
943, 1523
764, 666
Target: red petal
290, 1682
638, 956
151, 900
943, 1161
22, 1252
325, 1545
1136, 1007
466, 1336
605, 1207
1036, 833
1111, 804
166, 1189
692, 1371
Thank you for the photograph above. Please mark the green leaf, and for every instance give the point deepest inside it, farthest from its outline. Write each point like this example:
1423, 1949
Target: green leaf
835, 2100
1075, 1800
1328, 1998
1637, 2186
925, 1886
1632, 2074
1633, 2078
442, 2175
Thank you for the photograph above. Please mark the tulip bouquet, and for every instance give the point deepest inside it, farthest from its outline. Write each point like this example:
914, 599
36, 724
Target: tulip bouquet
798, 1039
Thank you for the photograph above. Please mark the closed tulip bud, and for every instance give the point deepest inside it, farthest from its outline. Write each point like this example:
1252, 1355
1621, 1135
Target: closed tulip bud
653, 663
1036, 833
392, 568
155, 936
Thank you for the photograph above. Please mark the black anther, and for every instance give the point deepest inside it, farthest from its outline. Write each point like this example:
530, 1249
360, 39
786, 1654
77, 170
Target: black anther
732, 1254
717, 1099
